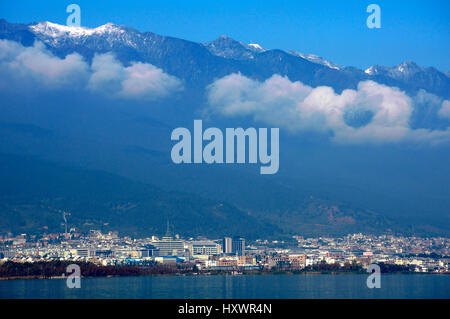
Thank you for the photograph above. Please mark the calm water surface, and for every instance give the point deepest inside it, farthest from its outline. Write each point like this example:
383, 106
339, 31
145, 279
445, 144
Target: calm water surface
255, 286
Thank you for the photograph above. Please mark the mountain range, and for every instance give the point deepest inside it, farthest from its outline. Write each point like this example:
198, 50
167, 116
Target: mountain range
108, 160
200, 63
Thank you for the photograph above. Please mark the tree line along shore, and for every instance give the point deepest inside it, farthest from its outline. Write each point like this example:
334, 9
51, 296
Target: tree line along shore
57, 269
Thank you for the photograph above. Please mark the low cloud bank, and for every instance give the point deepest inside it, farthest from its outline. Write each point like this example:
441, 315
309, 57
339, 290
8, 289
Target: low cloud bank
372, 113
36, 68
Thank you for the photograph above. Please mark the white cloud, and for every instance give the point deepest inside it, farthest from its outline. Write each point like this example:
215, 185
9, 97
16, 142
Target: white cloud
371, 113
147, 81
445, 109
107, 74
36, 67
137, 81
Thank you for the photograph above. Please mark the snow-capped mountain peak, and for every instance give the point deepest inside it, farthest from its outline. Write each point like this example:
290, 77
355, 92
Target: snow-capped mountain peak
409, 67
316, 59
371, 70
256, 47
227, 47
200, 66
55, 30
402, 70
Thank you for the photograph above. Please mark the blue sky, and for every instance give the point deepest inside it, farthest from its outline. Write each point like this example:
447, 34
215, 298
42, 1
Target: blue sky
336, 30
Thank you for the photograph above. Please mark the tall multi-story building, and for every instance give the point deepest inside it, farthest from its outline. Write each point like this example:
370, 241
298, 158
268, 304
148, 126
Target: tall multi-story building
209, 248
227, 245
238, 246
235, 246
169, 247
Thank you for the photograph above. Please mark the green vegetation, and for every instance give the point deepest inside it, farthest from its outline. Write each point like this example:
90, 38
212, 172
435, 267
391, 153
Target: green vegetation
41, 269
50, 269
34, 193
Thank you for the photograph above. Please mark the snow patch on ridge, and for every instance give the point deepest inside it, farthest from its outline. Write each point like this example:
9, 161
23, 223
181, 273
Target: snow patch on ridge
316, 59
54, 30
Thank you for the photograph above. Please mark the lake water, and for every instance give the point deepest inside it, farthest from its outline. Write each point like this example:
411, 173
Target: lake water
255, 286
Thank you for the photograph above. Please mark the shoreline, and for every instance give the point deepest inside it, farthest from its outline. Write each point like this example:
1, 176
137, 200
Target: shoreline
222, 274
